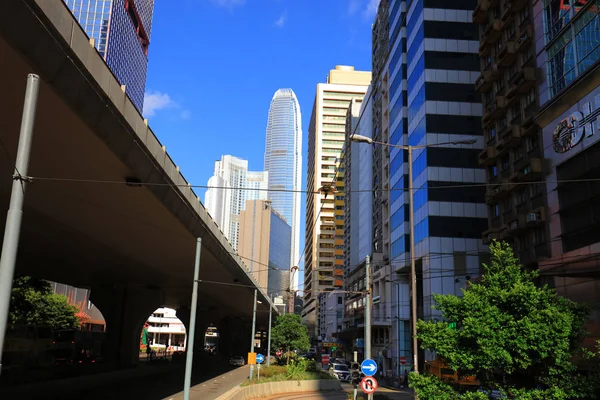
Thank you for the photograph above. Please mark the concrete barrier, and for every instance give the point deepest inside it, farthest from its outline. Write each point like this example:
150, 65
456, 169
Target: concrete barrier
263, 390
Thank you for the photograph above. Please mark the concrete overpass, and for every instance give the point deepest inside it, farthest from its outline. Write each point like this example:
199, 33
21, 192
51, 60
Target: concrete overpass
132, 245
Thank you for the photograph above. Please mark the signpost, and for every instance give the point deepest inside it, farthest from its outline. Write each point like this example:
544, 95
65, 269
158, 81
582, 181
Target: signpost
369, 385
403, 360
368, 367
251, 358
260, 358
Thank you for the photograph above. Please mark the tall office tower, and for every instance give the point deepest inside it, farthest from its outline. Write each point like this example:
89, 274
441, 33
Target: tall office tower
568, 50
283, 162
433, 66
121, 32
323, 259
513, 152
229, 189
264, 244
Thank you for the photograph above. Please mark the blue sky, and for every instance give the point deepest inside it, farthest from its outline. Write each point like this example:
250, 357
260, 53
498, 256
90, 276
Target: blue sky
214, 66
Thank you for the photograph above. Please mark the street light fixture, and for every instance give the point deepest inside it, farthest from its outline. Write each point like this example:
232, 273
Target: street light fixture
413, 280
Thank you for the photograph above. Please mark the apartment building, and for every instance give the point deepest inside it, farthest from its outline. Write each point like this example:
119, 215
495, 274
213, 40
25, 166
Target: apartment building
325, 177
513, 155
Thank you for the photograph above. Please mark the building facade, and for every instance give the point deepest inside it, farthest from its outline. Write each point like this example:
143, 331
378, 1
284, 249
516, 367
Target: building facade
433, 66
324, 209
264, 245
229, 189
331, 306
120, 30
567, 45
283, 162
513, 152
166, 330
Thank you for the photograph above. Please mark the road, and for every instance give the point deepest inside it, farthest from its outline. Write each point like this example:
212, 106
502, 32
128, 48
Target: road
211, 377
213, 388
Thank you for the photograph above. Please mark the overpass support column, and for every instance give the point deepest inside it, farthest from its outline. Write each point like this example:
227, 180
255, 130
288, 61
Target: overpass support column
234, 337
125, 310
205, 317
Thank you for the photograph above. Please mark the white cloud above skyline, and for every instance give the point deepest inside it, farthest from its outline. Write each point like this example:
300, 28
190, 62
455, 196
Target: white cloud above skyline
155, 101
229, 3
280, 23
368, 8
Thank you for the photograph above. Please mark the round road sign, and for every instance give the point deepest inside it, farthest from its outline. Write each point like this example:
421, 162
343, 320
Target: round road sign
369, 385
403, 360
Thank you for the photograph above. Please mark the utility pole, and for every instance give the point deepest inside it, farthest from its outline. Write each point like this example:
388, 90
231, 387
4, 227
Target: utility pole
14, 217
253, 333
368, 313
189, 359
269, 339
413, 274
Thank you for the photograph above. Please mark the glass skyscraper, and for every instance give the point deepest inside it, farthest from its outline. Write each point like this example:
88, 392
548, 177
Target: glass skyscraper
283, 161
121, 32
433, 66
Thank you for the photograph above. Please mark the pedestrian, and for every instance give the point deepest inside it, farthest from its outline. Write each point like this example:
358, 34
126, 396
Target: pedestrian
406, 379
148, 352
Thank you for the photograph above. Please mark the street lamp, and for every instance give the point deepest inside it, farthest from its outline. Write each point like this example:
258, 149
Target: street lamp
413, 279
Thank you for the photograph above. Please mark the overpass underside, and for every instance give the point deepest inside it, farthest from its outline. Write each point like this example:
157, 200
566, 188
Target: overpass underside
133, 246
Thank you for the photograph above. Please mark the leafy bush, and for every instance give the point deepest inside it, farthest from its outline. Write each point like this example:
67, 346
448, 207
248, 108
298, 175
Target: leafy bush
295, 371
271, 371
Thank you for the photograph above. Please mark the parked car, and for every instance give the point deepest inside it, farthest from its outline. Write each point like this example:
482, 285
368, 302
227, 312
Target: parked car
340, 371
237, 361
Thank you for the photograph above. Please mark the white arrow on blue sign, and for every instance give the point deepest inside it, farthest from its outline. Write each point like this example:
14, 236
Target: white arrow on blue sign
260, 358
368, 367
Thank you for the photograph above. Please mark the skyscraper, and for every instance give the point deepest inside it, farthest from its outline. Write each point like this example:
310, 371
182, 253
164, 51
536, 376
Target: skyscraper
323, 255
121, 32
283, 162
264, 244
433, 66
229, 189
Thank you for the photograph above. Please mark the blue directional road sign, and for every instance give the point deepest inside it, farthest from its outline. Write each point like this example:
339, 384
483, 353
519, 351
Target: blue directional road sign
368, 367
260, 358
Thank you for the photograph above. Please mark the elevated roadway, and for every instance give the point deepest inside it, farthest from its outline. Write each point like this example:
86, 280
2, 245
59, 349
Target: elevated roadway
87, 221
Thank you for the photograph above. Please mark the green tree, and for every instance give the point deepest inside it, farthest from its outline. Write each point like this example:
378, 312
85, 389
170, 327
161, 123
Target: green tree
290, 334
34, 303
512, 335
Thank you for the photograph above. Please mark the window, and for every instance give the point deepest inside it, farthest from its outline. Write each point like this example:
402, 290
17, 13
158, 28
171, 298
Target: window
507, 205
521, 197
537, 236
493, 171
495, 211
518, 153
505, 163
574, 41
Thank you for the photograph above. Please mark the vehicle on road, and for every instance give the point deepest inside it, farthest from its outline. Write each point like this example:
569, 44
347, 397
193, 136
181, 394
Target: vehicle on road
340, 371
237, 361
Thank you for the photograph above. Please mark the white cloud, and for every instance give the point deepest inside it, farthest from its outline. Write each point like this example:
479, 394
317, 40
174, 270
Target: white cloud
229, 3
154, 101
353, 6
371, 9
280, 23
186, 114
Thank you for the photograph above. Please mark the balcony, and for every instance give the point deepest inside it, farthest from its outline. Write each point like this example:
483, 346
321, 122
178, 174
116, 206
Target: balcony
487, 156
492, 32
491, 234
515, 225
484, 82
529, 114
481, 11
530, 172
524, 37
507, 54
493, 193
512, 137
515, 5
525, 79
495, 108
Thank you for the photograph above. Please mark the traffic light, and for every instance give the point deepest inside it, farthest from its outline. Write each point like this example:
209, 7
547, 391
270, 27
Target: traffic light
355, 374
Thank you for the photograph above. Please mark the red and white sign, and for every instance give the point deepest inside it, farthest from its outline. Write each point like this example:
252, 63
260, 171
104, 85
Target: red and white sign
325, 359
369, 385
403, 360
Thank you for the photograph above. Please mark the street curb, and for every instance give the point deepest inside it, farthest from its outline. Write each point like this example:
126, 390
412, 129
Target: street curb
269, 389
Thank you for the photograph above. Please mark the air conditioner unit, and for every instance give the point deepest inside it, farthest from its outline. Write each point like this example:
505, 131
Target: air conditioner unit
532, 217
